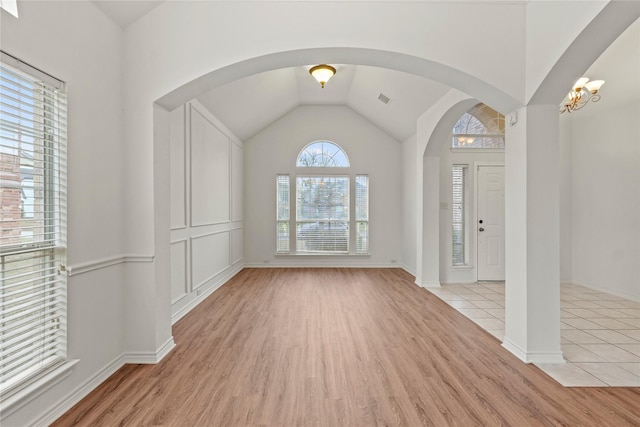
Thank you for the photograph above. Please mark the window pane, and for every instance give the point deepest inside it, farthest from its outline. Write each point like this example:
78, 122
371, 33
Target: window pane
322, 154
458, 219
480, 127
493, 142
362, 214
322, 214
32, 232
322, 236
282, 233
320, 198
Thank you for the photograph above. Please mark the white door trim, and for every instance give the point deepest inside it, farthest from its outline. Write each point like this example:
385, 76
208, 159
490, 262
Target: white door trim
476, 167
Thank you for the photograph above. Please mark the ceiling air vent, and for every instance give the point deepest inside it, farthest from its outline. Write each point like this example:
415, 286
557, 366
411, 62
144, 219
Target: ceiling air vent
383, 98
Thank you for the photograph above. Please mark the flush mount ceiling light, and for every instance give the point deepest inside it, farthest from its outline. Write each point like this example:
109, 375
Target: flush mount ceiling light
583, 91
322, 73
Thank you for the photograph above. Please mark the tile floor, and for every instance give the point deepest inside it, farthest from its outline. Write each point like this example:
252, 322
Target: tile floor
600, 332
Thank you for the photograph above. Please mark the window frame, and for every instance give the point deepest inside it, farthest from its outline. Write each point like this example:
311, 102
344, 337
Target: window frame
464, 217
47, 140
475, 112
296, 221
324, 172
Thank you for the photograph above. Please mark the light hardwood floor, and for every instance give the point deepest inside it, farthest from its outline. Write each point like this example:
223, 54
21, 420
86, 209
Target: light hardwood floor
340, 347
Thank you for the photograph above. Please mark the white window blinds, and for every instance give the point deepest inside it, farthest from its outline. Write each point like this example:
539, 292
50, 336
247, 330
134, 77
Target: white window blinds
33, 218
458, 219
322, 214
362, 214
282, 214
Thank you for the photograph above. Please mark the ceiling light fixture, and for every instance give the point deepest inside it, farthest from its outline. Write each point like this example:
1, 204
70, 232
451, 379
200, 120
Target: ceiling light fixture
583, 91
322, 73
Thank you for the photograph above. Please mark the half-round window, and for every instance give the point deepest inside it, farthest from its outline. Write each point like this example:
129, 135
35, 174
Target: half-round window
322, 154
480, 127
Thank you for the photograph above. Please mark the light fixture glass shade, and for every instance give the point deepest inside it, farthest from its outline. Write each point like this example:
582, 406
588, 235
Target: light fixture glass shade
580, 83
322, 73
594, 85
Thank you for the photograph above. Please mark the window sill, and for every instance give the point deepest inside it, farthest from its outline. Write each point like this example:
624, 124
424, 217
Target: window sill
49, 379
477, 150
462, 267
319, 255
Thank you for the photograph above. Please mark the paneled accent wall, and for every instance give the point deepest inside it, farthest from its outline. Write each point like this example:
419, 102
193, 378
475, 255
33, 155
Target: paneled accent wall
206, 206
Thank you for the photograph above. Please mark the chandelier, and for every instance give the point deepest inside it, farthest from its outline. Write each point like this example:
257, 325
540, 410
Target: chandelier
583, 91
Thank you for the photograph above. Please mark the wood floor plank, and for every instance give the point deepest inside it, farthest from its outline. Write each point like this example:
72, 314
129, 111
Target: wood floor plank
334, 347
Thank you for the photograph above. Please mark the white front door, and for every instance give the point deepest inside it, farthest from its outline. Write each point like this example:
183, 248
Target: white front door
490, 222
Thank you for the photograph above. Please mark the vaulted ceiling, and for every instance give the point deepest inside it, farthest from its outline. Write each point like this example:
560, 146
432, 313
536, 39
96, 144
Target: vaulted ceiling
250, 104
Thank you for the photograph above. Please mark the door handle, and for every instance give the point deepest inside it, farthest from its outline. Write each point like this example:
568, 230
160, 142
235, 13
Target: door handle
481, 229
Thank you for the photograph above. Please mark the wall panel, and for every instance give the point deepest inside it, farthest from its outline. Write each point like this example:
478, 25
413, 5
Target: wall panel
206, 193
236, 183
209, 172
179, 278
209, 257
237, 236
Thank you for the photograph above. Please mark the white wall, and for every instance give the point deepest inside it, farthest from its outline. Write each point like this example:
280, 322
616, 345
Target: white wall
409, 203
448, 158
274, 150
187, 40
206, 206
605, 174
75, 42
606, 200
566, 221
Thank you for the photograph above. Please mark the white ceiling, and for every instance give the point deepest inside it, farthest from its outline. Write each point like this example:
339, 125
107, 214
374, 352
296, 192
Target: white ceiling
619, 69
124, 12
248, 105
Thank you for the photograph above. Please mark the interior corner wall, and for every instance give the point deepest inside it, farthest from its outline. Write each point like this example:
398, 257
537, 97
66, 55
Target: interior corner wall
206, 181
448, 158
409, 208
606, 200
274, 151
605, 174
47, 36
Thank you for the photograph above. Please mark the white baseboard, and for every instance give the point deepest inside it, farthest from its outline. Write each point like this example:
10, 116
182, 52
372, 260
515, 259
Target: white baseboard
235, 269
63, 405
408, 270
149, 358
318, 263
533, 356
431, 284
56, 411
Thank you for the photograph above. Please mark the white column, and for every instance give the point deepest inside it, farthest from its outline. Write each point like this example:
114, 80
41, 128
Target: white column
431, 222
532, 322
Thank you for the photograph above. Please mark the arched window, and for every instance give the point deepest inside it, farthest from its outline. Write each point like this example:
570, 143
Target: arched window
322, 154
322, 217
480, 127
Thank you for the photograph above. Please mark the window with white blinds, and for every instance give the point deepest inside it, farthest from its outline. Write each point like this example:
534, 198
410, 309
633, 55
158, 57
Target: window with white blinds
282, 214
322, 214
318, 219
458, 218
362, 214
33, 218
